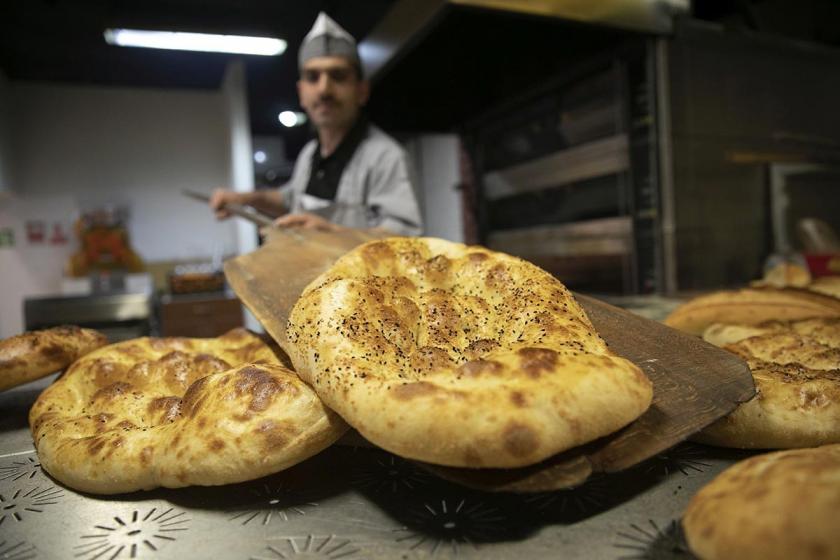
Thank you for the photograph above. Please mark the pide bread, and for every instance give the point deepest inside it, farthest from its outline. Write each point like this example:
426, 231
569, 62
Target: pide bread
721, 334
827, 285
750, 306
785, 275
459, 355
796, 367
779, 505
790, 347
36, 354
175, 412
823, 331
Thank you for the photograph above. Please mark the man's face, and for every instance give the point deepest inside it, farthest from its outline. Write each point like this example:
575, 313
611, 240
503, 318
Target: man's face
330, 91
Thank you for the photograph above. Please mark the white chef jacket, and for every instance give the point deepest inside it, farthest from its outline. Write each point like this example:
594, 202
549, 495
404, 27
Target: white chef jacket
376, 188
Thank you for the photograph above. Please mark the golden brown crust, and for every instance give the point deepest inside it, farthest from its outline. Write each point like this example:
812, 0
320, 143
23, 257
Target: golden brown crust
790, 347
822, 331
36, 354
459, 356
723, 334
796, 367
751, 306
785, 275
776, 506
794, 407
827, 285
177, 412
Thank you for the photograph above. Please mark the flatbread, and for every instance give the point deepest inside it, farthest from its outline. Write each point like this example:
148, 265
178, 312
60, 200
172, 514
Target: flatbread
176, 412
796, 367
780, 505
721, 334
790, 347
751, 306
828, 285
459, 356
785, 275
36, 354
823, 331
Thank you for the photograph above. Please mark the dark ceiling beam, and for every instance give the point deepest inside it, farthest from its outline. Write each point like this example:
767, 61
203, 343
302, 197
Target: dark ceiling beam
404, 26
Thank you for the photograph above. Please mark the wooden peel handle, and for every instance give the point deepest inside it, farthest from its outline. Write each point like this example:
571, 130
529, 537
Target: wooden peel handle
236, 209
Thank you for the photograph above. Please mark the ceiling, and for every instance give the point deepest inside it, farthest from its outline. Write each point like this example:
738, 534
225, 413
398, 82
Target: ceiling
61, 41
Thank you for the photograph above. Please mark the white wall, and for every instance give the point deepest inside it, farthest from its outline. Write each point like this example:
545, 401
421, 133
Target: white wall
241, 178
29, 269
78, 147
435, 158
241, 152
138, 147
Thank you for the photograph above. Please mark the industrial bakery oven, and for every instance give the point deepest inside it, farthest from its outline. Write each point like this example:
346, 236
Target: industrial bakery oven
565, 178
624, 157
119, 316
663, 165
558, 121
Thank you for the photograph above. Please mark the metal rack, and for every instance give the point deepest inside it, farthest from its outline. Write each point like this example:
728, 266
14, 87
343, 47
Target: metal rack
575, 162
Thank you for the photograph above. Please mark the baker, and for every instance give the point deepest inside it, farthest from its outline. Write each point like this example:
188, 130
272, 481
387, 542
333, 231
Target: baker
352, 174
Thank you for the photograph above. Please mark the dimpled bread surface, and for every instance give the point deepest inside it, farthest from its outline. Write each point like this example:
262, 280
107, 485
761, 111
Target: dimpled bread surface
796, 368
459, 356
177, 412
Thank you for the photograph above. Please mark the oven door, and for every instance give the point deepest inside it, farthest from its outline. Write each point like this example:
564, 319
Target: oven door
117, 316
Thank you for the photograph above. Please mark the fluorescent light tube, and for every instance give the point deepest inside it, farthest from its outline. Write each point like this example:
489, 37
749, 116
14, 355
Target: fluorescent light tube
205, 42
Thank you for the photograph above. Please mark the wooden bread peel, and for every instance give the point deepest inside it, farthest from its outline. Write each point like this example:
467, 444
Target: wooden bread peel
694, 382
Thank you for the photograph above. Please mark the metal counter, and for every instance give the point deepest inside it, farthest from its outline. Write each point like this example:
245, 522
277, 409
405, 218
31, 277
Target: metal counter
348, 502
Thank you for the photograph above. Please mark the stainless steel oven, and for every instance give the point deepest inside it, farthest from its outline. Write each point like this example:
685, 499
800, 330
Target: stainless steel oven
564, 177
120, 316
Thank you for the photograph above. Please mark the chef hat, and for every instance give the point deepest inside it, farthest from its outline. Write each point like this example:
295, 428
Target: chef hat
327, 38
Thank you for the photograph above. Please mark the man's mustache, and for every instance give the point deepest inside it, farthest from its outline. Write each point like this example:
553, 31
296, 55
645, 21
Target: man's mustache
327, 100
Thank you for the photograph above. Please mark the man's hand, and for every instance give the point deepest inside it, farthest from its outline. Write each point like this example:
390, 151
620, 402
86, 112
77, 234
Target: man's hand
307, 221
268, 202
221, 198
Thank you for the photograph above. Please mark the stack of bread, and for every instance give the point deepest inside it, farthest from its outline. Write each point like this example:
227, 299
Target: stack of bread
436, 351
790, 338
778, 505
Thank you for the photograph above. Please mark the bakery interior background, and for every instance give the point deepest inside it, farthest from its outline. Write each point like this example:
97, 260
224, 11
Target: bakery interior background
648, 153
